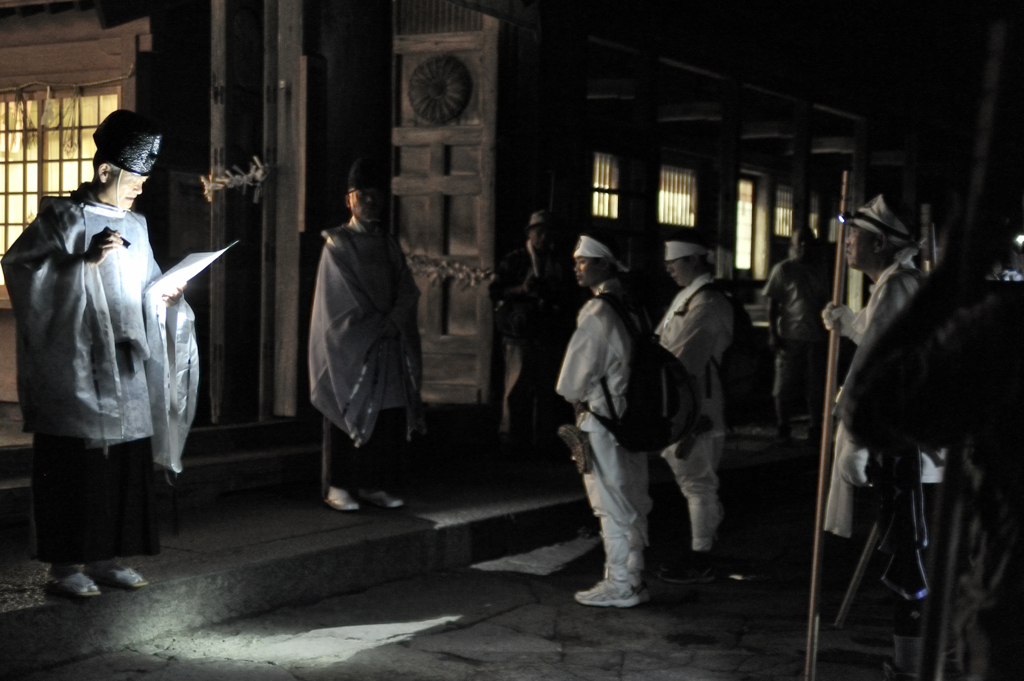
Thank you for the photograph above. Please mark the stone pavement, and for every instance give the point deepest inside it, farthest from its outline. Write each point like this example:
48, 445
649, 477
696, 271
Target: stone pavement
210, 613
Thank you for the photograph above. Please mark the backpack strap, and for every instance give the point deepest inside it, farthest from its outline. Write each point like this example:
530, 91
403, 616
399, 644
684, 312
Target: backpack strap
707, 369
686, 308
619, 306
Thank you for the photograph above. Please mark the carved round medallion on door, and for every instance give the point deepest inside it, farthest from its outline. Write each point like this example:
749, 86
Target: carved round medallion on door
439, 89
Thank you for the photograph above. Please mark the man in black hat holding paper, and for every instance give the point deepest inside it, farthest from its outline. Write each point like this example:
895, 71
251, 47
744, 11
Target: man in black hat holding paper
98, 385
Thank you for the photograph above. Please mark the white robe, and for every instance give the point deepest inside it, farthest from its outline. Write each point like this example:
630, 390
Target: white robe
699, 337
891, 293
72, 317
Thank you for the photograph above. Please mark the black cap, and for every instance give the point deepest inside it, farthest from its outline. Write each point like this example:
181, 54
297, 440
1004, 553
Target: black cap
128, 140
366, 173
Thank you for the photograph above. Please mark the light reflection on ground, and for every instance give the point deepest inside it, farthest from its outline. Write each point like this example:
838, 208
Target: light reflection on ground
543, 561
331, 645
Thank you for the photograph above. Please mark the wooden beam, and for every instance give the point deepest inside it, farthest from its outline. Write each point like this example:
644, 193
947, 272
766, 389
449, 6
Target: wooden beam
762, 130
219, 28
892, 157
689, 111
268, 237
289, 121
801, 163
611, 88
729, 172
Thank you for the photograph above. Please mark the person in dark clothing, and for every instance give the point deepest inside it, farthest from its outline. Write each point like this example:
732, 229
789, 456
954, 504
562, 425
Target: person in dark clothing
533, 314
950, 373
797, 291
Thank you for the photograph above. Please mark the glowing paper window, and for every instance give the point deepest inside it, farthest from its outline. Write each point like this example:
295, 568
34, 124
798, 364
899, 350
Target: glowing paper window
783, 211
744, 224
677, 197
606, 186
46, 149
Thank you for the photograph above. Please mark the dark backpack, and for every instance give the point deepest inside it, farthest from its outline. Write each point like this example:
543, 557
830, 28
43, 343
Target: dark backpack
662, 403
738, 368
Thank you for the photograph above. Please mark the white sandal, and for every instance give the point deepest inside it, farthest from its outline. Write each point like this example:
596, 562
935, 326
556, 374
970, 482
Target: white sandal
340, 500
116, 576
74, 585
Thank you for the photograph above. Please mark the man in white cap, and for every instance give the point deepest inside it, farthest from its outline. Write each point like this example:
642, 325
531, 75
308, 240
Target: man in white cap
616, 484
97, 384
880, 245
697, 328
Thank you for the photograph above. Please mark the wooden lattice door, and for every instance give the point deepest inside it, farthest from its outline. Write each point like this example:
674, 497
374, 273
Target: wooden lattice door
445, 77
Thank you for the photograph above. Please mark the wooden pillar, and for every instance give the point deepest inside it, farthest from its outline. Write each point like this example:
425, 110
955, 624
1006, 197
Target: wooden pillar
268, 239
729, 172
910, 165
645, 118
290, 208
858, 182
801, 164
218, 209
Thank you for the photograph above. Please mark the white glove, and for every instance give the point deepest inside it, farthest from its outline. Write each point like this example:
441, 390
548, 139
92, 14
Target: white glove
838, 317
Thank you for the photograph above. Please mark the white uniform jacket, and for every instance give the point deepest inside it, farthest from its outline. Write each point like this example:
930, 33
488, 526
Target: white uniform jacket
599, 348
891, 293
95, 360
698, 336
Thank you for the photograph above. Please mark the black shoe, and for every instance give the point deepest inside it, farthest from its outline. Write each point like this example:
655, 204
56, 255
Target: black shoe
686, 575
893, 673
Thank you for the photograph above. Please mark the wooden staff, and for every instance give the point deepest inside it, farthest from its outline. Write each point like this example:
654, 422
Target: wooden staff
825, 457
928, 238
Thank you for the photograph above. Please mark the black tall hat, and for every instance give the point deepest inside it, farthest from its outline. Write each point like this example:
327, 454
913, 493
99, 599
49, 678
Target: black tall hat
129, 141
366, 173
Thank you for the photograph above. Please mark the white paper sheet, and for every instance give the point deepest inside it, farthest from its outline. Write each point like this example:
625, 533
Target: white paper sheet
190, 266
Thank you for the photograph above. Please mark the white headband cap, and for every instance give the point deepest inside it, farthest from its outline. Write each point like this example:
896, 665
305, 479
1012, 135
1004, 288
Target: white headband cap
875, 216
589, 247
681, 249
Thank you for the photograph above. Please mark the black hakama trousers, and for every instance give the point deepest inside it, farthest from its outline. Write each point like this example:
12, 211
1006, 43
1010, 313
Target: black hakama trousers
375, 465
89, 506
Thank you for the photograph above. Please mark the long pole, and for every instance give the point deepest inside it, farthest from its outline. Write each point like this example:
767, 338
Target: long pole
825, 456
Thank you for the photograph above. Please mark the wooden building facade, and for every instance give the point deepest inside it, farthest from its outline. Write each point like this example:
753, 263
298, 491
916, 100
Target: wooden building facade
487, 109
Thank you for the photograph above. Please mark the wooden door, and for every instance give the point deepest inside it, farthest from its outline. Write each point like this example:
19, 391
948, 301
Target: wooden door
445, 79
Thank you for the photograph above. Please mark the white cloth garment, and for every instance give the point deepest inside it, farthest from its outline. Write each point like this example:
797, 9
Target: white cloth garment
363, 288
589, 247
681, 249
895, 287
617, 485
95, 360
698, 328
599, 348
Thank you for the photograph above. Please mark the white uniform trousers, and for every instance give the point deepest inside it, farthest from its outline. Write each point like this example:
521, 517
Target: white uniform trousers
617, 490
697, 478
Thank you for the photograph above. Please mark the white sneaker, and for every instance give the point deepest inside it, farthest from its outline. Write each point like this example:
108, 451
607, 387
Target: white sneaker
609, 593
381, 498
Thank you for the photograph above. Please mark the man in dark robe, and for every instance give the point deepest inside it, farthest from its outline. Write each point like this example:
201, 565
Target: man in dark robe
532, 294
365, 367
